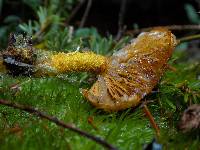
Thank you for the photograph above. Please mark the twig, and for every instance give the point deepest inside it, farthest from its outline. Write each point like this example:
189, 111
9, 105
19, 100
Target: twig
151, 119
91, 122
122, 12
189, 38
170, 27
75, 10
55, 120
85, 15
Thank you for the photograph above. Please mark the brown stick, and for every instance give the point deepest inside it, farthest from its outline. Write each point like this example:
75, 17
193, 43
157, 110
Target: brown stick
151, 119
55, 120
75, 10
87, 10
189, 38
121, 27
170, 27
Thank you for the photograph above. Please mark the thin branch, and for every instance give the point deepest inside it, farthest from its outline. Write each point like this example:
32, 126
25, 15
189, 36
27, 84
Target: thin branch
170, 27
189, 38
75, 10
85, 15
151, 119
121, 27
55, 120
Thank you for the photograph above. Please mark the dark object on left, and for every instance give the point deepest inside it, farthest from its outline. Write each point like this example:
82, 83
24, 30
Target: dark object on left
19, 57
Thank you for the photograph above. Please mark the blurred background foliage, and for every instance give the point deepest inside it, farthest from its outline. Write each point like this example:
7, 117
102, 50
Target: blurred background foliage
48, 19
41, 16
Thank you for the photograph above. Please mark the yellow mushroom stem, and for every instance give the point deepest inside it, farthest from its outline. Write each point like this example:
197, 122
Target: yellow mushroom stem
77, 62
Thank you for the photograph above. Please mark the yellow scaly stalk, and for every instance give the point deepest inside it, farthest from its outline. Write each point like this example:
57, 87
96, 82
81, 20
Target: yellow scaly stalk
77, 62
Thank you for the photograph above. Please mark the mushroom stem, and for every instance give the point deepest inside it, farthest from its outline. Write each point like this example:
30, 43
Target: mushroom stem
77, 62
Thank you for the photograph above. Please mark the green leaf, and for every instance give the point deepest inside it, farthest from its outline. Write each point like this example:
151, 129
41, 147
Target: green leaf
11, 19
86, 32
192, 14
186, 97
171, 104
3, 31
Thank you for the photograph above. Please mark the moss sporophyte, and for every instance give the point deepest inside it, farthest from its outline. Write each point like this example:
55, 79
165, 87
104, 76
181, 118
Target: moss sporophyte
123, 79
